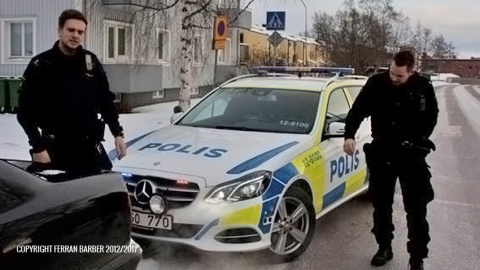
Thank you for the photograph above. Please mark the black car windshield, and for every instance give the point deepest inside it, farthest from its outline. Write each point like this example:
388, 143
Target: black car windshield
256, 109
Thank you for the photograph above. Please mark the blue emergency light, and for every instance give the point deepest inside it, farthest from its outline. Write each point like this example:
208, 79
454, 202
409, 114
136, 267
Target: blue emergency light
333, 70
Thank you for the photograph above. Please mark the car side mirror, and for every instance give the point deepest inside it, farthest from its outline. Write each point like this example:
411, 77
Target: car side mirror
177, 113
335, 130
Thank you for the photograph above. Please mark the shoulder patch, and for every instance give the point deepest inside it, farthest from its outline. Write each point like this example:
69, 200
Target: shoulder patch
36, 62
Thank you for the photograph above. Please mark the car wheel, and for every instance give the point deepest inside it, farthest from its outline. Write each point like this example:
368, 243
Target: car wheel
293, 226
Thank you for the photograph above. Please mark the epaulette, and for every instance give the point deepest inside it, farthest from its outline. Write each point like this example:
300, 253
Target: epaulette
88, 62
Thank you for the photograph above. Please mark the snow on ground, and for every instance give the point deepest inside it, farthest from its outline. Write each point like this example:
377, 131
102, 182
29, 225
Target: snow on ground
14, 142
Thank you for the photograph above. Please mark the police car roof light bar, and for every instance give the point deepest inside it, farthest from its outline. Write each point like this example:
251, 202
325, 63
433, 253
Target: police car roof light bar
336, 70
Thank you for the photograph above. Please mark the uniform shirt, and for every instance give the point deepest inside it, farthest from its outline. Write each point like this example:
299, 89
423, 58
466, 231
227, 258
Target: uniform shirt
62, 95
398, 113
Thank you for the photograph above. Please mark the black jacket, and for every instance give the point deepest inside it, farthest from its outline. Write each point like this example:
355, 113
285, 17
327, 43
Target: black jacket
398, 114
62, 95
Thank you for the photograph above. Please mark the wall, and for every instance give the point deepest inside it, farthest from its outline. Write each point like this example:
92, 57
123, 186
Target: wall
45, 14
467, 68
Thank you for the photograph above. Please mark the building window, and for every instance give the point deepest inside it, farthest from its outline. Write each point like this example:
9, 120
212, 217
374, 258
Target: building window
224, 55
195, 91
198, 49
163, 52
158, 94
222, 3
244, 53
17, 39
119, 41
118, 98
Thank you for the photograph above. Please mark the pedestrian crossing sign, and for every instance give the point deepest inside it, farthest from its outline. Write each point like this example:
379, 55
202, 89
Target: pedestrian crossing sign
275, 20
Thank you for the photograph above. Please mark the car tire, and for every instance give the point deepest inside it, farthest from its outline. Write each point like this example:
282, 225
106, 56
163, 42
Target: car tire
287, 230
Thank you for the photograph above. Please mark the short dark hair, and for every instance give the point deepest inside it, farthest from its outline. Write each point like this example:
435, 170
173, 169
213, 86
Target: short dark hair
404, 58
71, 14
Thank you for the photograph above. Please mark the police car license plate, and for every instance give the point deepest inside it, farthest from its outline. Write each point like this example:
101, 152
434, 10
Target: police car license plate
152, 221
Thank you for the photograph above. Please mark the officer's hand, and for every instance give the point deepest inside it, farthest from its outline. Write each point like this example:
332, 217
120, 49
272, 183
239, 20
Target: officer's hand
121, 147
349, 146
41, 157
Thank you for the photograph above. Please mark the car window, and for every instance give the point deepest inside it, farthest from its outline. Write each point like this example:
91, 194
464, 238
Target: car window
354, 91
337, 107
256, 109
215, 108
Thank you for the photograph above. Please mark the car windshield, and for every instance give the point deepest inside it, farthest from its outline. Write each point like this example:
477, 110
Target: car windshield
256, 109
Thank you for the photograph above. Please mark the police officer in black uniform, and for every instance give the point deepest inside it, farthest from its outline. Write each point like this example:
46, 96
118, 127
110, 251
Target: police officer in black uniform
403, 110
65, 101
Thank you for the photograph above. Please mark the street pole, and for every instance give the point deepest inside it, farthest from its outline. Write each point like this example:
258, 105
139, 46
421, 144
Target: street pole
305, 49
215, 69
275, 48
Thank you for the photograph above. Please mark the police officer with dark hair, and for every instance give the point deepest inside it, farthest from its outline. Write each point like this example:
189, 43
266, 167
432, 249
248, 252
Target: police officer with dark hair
65, 102
403, 110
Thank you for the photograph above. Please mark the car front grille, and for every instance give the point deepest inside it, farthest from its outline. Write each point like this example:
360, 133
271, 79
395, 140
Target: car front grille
178, 193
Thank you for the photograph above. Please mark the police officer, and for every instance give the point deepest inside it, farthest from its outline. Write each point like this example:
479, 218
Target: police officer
65, 101
403, 110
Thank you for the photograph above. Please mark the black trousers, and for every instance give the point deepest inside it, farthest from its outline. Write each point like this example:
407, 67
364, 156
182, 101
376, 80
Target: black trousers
386, 164
77, 155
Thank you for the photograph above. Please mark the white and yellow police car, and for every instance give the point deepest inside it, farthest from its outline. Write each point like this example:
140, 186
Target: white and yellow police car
251, 166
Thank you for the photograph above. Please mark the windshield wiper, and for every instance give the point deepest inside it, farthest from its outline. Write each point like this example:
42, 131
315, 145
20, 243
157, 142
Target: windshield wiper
243, 128
249, 129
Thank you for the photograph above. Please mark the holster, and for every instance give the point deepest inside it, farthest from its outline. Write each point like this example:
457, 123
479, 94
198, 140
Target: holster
99, 130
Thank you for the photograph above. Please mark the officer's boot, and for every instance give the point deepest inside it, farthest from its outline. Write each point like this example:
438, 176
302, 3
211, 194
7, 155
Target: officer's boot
383, 255
415, 264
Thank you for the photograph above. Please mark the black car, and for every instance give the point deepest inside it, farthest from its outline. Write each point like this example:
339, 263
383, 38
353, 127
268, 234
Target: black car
57, 220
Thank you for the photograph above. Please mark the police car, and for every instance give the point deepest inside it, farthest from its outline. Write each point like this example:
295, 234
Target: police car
251, 166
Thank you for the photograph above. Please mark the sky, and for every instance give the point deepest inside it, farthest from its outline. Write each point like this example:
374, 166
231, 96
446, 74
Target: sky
458, 21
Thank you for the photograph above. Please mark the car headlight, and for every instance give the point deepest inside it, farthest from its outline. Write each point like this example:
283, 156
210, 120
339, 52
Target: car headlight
244, 188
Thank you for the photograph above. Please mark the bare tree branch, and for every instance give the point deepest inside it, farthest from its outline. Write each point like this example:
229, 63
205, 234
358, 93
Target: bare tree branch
240, 13
202, 8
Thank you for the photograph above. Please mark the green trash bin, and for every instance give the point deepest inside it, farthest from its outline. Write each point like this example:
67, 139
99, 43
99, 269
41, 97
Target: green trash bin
14, 85
3, 94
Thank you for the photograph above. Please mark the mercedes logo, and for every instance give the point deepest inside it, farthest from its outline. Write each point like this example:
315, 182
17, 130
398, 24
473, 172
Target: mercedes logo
144, 191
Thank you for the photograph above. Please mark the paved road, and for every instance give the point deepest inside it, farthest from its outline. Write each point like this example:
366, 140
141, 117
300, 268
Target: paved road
342, 238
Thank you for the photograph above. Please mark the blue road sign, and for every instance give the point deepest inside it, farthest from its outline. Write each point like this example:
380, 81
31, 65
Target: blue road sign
275, 20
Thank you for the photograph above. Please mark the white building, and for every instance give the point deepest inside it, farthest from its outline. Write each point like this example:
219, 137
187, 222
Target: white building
137, 42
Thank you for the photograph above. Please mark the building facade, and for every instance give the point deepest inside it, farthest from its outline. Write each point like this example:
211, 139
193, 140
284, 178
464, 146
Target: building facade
465, 68
291, 50
138, 44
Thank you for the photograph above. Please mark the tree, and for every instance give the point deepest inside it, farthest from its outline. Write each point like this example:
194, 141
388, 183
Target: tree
441, 48
361, 33
194, 17
366, 33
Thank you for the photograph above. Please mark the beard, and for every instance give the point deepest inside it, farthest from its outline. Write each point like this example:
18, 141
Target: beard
69, 46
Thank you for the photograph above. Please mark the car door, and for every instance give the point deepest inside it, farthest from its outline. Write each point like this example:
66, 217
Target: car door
338, 165
363, 134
